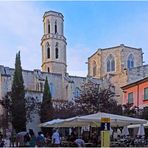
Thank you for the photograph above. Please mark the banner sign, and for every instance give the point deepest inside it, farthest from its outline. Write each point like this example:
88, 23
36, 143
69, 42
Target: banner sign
105, 124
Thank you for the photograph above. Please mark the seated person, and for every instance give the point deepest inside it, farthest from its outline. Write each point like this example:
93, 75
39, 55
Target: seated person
115, 136
80, 142
94, 139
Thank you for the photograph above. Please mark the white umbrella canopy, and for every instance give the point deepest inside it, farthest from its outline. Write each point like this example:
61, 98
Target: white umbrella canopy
70, 122
95, 120
51, 123
141, 131
125, 131
115, 120
138, 125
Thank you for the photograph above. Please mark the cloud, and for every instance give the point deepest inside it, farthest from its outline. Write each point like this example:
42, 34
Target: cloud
81, 73
21, 29
77, 57
19, 18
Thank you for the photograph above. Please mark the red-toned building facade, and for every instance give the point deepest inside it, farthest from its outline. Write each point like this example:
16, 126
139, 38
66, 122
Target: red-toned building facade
136, 93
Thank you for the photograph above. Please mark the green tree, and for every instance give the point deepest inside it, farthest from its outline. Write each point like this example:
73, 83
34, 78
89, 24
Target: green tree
46, 112
66, 109
5, 117
18, 97
93, 99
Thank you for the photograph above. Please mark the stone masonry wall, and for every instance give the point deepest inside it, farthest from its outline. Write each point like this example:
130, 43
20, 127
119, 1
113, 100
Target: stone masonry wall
137, 73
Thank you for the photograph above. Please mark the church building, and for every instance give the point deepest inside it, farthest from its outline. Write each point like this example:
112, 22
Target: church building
119, 65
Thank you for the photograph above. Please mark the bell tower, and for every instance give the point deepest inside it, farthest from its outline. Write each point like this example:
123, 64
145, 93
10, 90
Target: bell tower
53, 43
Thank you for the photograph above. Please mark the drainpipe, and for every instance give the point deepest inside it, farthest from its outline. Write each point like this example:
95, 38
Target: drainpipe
124, 97
137, 95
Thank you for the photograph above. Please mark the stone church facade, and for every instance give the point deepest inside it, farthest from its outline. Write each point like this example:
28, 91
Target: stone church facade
117, 65
54, 67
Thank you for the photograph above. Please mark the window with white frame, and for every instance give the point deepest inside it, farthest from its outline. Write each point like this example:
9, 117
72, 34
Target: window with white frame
110, 63
94, 68
146, 93
130, 98
130, 61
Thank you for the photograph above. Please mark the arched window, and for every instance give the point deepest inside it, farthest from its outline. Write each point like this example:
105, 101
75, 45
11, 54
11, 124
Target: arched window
56, 51
62, 28
64, 52
55, 26
130, 61
94, 68
41, 87
77, 92
110, 63
66, 91
48, 26
48, 69
44, 27
37, 86
52, 89
48, 50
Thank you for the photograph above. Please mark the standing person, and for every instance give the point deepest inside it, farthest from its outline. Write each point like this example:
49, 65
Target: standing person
2, 143
32, 141
21, 138
12, 138
26, 139
73, 136
48, 140
56, 140
40, 140
115, 135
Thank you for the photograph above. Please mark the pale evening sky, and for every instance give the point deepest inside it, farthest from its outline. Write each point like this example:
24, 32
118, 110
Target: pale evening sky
87, 26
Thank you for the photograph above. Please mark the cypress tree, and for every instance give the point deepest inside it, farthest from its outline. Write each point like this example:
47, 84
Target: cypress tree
18, 97
46, 112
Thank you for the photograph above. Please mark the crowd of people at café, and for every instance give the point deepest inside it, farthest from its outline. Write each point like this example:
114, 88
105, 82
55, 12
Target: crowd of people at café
56, 138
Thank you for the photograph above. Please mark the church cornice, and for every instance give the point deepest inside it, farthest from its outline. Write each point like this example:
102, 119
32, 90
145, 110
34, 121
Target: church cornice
53, 36
120, 46
53, 13
54, 62
31, 71
109, 48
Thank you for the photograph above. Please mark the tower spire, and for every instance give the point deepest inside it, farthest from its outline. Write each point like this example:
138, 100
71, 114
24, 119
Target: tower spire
53, 43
